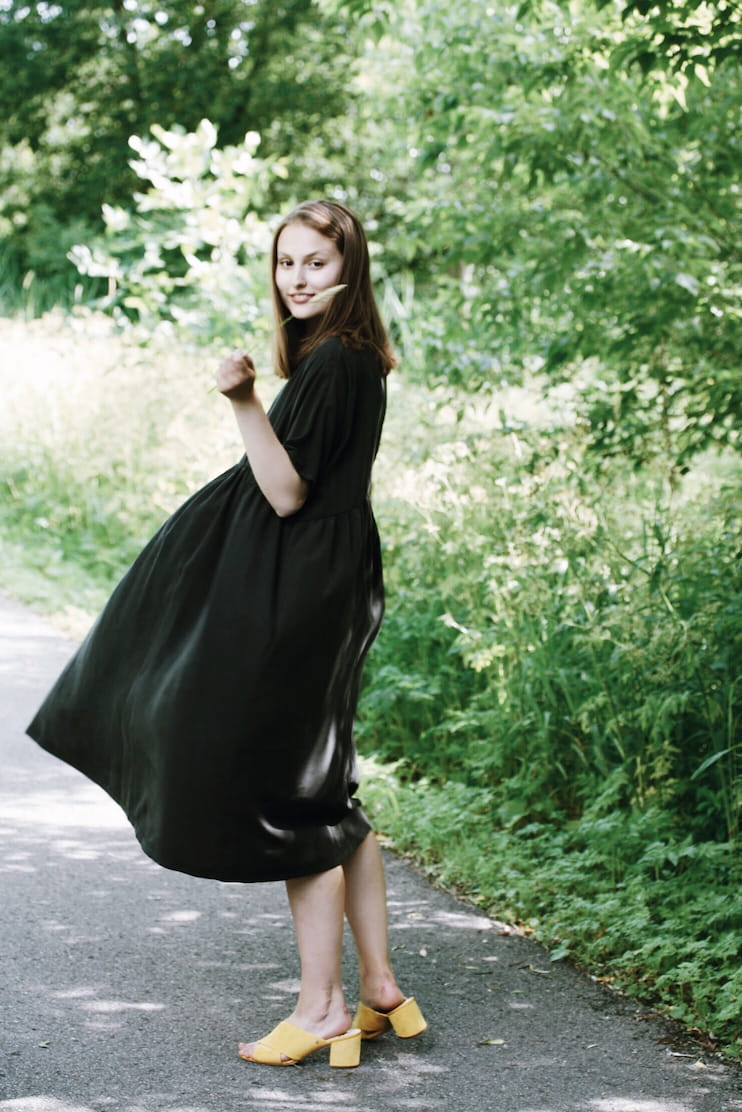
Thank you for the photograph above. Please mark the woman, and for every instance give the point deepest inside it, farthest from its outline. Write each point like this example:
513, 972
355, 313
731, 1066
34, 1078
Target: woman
214, 698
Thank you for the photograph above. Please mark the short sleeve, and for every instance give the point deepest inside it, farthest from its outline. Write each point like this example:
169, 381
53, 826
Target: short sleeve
320, 420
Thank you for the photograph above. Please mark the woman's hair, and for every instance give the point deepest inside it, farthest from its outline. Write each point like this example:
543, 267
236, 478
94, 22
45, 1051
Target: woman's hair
352, 314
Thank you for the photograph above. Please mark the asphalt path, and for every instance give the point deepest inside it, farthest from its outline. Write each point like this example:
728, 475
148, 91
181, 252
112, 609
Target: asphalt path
125, 987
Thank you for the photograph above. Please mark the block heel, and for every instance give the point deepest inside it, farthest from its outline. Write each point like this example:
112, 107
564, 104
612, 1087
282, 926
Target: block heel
345, 1052
406, 1020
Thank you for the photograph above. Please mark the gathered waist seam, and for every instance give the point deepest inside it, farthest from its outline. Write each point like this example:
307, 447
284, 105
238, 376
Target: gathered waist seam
365, 503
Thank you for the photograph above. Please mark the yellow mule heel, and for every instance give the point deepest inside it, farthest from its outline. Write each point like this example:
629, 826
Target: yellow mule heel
406, 1019
287, 1044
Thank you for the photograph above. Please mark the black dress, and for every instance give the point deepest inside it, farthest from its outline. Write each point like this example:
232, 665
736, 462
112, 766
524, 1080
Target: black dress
214, 697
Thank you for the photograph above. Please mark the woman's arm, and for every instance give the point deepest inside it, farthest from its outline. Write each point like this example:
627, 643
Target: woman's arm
271, 465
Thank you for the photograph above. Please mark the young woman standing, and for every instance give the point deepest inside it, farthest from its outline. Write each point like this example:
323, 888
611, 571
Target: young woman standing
214, 698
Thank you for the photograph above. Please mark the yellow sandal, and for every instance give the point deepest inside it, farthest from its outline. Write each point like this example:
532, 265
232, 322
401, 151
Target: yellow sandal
406, 1019
287, 1044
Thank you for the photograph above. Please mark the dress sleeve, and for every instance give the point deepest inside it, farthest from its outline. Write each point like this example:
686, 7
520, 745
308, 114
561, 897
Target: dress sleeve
321, 417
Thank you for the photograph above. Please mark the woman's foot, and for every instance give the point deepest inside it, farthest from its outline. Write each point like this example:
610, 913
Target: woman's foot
325, 1024
287, 1044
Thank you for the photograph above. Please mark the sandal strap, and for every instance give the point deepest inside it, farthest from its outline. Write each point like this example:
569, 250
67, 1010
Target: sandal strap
406, 1019
371, 1022
286, 1041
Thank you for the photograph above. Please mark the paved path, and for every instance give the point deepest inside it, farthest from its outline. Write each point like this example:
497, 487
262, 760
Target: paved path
125, 988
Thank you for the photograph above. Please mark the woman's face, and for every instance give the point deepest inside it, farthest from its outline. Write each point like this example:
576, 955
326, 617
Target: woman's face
306, 264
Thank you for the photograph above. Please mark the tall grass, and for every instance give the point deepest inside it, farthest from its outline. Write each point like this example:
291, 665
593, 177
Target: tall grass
23, 293
551, 712
100, 439
568, 631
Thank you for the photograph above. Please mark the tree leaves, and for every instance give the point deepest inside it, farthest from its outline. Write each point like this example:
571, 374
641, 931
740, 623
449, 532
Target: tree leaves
77, 80
592, 209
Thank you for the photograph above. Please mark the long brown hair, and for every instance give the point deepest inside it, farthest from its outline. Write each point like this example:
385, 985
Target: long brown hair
352, 314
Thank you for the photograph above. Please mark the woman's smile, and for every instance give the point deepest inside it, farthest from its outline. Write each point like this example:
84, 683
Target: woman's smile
307, 264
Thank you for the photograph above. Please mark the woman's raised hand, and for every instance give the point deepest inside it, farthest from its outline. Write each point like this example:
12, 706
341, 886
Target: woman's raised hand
235, 376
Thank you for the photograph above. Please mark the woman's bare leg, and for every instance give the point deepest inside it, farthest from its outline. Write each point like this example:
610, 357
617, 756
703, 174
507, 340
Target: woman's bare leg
317, 906
366, 908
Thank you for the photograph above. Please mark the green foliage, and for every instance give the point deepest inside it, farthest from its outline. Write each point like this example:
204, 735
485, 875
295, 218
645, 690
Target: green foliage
644, 907
555, 185
552, 711
563, 636
78, 79
194, 252
572, 211
90, 430
680, 35
558, 685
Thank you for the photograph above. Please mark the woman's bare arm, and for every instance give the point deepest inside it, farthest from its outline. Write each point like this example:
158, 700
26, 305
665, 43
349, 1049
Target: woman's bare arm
274, 472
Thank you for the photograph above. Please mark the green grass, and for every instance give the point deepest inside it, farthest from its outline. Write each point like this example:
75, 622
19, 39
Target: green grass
647, 911
550, 719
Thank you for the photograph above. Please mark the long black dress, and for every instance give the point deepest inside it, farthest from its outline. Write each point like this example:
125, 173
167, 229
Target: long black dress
214, 697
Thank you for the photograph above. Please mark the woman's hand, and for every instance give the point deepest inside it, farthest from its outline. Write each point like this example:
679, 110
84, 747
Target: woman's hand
235, 376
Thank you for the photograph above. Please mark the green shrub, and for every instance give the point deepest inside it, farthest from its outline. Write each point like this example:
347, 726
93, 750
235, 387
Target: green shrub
540, 637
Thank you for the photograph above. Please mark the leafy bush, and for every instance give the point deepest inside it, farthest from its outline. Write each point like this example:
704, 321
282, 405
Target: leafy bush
543, 633
193, 253
643, 906
558, 685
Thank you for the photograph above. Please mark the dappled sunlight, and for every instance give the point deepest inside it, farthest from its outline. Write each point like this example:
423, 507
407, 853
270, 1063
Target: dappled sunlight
86, 806
46, 823
240, 967
51, 1104
110, 1007
408, 916
401, 1080
42, 1104
38, 846
181, 917
462, 920
280, 1100
48, 850
96, 1011
634, 1104
290, 986
123, 962
47, 810
18, 862
327, 1099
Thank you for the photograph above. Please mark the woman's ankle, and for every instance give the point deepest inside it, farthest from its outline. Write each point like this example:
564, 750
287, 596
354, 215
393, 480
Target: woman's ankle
382, 993
325, 1015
